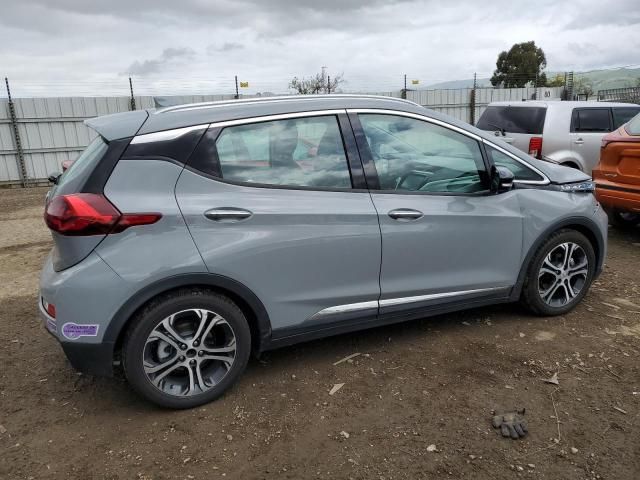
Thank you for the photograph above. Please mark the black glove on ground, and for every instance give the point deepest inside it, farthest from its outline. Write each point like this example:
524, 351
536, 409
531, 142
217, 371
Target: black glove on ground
511, 424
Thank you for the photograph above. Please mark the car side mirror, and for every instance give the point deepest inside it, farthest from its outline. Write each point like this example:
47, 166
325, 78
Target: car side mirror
54, 177
501, 179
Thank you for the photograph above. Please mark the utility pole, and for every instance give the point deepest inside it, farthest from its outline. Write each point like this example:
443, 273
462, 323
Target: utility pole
22, 169
237, 93
323, 74
133, 100
328, 84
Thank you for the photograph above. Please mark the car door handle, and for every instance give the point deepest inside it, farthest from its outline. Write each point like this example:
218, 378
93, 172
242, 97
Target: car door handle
405, 214
227, 214
579, 141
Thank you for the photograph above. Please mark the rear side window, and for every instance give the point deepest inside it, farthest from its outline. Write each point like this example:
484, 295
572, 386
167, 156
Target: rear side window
633, 127
622, 115
300, 152
520, 171
591, 120
528, 120
85, 163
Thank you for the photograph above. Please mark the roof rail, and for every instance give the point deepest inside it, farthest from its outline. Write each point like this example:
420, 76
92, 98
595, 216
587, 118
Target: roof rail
281, 98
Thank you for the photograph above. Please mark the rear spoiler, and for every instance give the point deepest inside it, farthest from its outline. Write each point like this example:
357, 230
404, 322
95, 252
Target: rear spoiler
118, 125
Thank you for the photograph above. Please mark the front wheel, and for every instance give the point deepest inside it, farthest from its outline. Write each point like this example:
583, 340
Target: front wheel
186, 348
560, 274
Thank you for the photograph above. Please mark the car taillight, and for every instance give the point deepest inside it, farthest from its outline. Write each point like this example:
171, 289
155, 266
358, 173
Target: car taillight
535, 147
83, 214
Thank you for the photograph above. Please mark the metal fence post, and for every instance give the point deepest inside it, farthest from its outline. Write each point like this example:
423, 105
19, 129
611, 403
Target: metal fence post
472, 102
237, 92
133, 99
22, 169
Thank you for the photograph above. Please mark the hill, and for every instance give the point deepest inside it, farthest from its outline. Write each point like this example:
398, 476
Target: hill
599, 79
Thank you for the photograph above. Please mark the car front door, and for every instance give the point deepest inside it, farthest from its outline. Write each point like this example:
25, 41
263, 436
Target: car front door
588, 126
445, 237
278, 205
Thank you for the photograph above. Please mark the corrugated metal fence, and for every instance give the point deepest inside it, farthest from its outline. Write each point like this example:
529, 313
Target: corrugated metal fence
52, 130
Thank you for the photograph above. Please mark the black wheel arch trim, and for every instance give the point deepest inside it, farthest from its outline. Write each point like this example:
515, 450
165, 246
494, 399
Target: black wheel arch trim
584, 223
237, 290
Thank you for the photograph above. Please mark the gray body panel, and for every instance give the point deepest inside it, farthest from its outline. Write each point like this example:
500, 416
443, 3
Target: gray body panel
300, 252
452, 246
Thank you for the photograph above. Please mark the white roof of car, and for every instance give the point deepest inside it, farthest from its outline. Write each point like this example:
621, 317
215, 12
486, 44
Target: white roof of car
559, 104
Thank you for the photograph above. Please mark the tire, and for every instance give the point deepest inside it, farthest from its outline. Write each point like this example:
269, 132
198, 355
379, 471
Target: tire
164, 361
547, 271
623, 219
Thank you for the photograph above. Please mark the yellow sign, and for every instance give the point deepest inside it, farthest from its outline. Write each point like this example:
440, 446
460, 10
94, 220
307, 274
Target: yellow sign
244, 84
415, 82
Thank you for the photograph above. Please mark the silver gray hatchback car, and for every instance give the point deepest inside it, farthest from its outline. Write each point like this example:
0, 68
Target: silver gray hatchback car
188, 237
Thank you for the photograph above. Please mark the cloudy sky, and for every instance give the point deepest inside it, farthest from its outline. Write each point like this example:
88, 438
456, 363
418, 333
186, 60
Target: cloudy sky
185, 46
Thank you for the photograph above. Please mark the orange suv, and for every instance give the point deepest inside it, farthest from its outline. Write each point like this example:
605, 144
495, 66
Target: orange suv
617, 175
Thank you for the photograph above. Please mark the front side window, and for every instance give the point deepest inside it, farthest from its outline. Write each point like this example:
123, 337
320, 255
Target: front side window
302, 152
415, 155
622, 115
591, 120
520, 171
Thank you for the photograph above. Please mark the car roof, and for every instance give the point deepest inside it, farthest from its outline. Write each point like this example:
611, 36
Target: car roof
559, 104
139, 122
211, 112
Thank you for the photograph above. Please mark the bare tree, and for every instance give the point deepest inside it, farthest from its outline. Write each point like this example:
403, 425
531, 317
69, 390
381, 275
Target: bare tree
582, 86
316, 84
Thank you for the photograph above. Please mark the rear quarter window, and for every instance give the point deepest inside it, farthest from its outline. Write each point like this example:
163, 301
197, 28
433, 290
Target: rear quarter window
513, 119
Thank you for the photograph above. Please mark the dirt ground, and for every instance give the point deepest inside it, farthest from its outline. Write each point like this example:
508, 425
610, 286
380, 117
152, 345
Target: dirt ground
426, 383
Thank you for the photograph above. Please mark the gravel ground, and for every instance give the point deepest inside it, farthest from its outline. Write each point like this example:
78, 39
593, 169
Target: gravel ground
416, 402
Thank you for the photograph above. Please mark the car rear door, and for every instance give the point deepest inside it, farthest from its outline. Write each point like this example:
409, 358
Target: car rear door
280, 205
588, 126
445, 238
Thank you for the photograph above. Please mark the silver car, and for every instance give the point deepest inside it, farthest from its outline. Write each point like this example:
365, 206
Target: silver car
566, 133
188, 237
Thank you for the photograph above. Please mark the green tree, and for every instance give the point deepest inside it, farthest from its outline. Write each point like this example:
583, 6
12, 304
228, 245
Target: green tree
316, 84
557, 81
522, 64
582, 86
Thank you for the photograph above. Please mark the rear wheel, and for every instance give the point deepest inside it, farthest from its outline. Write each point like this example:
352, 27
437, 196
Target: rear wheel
560, 274
186, 348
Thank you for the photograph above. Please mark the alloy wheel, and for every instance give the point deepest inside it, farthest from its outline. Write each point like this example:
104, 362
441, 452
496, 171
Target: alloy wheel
189, 352
563, 274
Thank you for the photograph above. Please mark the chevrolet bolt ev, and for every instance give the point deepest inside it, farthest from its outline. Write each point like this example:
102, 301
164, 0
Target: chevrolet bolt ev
188, 237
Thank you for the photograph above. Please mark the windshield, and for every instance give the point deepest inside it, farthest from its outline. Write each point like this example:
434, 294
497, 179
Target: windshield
633, 127
513, 119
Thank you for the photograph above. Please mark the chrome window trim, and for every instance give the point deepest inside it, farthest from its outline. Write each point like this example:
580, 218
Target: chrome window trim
359, 306
435, 296
279, 116
165, 135
398, 113
545, 180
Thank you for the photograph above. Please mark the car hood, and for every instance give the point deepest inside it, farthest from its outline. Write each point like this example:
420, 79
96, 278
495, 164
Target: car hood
558, 173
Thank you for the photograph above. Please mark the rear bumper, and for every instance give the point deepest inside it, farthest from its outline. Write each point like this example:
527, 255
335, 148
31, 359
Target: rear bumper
618, 197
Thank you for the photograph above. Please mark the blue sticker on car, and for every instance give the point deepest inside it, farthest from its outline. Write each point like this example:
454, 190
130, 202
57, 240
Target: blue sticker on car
73, 331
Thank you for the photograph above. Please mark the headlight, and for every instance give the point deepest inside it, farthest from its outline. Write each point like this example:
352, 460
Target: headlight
578, 187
